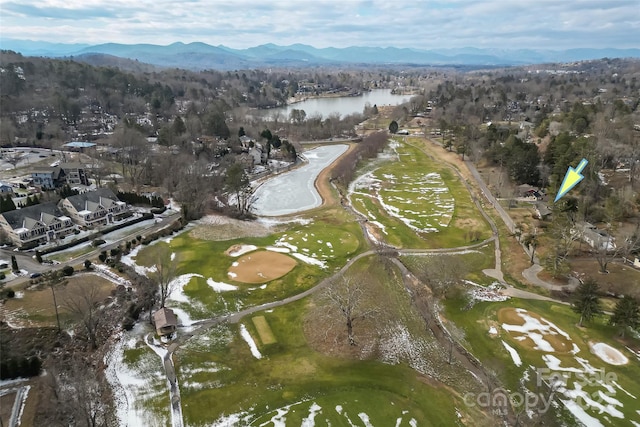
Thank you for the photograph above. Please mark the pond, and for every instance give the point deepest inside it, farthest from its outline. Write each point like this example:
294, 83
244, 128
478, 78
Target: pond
342, 105
295, 191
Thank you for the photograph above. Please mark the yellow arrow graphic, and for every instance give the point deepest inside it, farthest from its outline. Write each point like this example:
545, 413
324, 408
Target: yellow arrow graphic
571, 179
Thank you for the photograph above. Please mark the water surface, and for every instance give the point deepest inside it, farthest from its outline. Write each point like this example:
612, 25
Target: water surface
295, 191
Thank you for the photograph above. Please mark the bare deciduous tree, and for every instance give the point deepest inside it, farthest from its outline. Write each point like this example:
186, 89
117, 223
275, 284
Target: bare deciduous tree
84, 305
164, 272
441, 272
347, 299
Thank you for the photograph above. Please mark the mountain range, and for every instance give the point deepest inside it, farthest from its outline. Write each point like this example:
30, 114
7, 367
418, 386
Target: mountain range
199, 56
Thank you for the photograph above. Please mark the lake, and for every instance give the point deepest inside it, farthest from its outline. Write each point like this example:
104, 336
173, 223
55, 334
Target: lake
295, 191
343, 105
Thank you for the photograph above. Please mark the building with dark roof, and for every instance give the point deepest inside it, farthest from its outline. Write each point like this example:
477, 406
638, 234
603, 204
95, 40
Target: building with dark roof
75, 173
48, 178
95, 208
165, 321
33, 225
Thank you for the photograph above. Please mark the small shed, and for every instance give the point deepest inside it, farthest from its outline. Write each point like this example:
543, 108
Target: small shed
165, 321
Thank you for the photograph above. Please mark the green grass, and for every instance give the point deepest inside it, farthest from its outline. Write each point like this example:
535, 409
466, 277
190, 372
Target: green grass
290, 372
70, 254
476, 322
291, 376
427, 195
329, 238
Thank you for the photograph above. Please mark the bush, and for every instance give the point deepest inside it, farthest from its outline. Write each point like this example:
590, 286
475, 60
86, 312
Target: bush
11, 293
87, 264
67, 270
22, 367
3, 276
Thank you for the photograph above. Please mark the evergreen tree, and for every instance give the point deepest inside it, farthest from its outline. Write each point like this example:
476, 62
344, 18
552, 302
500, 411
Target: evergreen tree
14, 264
6, 204
626, 315
587, 302
393, 127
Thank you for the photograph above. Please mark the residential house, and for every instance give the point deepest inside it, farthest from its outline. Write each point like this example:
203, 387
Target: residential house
597, 239
5, 189
257, 154
95, 208
75, 173
246, 141
246, 160
48, 178
33, 225
541, 211
165, 321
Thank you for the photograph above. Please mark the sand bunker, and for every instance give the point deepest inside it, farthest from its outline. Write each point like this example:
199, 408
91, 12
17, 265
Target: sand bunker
261, 267
608, 354
237, 250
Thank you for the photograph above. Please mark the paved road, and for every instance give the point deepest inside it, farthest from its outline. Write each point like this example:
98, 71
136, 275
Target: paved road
18, 404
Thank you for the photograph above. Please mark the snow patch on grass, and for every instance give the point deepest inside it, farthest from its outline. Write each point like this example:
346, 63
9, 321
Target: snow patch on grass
243, 249
536, 329
249, 340
513, 353
220, 286
309, 260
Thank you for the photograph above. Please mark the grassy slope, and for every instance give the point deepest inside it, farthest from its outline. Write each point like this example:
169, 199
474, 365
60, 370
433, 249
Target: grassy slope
291, 372
476, 322
465, 216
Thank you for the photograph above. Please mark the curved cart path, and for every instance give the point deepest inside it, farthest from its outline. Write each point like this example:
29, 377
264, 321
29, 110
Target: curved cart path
458, 352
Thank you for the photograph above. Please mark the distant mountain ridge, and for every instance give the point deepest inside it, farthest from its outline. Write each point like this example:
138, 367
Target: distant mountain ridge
199, 56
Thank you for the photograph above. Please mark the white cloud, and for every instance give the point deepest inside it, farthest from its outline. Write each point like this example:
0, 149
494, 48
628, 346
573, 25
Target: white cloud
549, 24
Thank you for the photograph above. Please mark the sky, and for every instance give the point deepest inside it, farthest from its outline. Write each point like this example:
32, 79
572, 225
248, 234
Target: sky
424, 24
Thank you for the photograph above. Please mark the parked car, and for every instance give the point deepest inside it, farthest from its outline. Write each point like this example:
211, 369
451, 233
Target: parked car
34, 275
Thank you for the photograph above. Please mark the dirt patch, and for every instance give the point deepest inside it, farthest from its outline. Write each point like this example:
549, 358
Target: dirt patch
329, 198
6, 405
261, 267
218, 228
539, 330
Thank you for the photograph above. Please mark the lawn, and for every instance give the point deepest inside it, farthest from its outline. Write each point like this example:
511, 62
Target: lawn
415, 202
614, 386
319, 248
221, 381
35, 307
